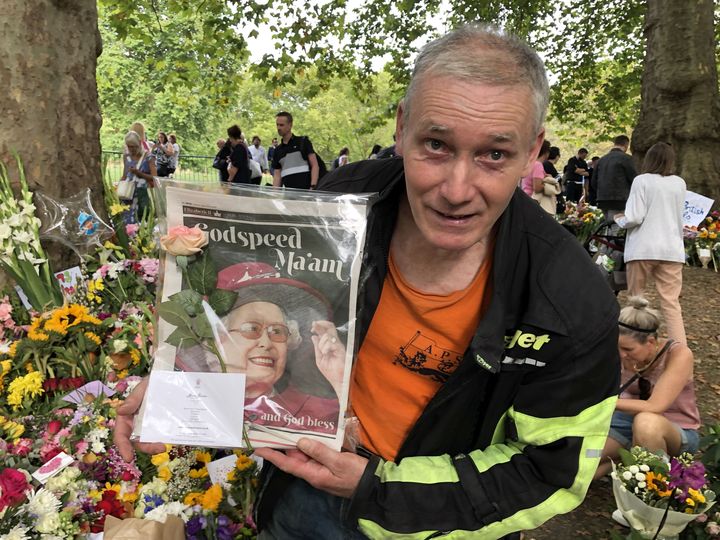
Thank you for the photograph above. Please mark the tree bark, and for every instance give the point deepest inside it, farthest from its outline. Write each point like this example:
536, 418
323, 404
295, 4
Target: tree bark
49, 110
680, 103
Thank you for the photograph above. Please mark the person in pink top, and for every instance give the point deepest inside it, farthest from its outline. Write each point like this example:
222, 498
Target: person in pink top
534, 181
656, 408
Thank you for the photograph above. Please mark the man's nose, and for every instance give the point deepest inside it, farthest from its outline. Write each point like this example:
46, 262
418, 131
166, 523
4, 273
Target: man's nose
458, 187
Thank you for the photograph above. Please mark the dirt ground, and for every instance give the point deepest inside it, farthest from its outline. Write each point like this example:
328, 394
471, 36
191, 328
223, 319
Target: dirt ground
701, 305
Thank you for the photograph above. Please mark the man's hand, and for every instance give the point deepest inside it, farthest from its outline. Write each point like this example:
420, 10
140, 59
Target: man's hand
124, 426
338, 473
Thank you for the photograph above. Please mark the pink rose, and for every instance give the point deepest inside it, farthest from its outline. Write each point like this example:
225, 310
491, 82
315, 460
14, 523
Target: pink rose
5, 311
54, 426
183, 240
131, 229
712, 529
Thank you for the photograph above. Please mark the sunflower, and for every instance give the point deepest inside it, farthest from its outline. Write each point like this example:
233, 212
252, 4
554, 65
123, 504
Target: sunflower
193, 498
657, 482
212, 497
92, 336
199, 468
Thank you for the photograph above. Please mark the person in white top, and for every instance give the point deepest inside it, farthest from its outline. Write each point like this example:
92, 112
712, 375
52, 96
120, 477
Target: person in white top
258, 154
654, 245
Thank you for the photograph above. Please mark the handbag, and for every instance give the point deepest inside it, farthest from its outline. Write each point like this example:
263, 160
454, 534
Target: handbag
254, 166
126, 188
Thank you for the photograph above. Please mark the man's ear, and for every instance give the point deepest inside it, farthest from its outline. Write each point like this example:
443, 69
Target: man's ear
399, 127
534, 151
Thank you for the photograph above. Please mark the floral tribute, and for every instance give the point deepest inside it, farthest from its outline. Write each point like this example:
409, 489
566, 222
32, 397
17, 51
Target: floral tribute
648, 485
64, 369
704, 237
581, 220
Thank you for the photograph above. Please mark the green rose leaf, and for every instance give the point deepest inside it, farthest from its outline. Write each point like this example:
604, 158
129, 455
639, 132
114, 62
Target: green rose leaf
174, 313
202, 327
182, 336
222, 301
191, 301
202, 275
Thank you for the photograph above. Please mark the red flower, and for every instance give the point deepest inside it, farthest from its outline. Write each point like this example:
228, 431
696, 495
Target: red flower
109, 505
20, 448
13, 486
54, 426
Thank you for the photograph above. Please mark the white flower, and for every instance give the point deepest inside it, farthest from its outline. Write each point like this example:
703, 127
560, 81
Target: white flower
634, 469
48, 523
22, 237
98, 447
18, 532
644, 468
162, 512
42, 502
5, 231
14, 221
63, 482
627, 475
640, 477
119, 345
642, 485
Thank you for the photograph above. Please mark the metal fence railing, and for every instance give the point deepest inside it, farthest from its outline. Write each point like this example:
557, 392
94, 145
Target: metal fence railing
190, 168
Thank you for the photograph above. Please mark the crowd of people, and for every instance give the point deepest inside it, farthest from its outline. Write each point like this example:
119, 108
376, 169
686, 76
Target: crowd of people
529, 412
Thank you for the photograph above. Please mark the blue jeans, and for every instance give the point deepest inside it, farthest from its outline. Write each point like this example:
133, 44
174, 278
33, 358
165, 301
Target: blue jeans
306, 513
621, 431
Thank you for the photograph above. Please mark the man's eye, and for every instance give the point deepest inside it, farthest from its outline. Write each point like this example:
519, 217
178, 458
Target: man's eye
496, 155
435, 145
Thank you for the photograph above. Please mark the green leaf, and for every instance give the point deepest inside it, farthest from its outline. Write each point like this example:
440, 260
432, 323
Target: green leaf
626, 457
191, 301
202, 275
174, 313
182, 336
202, 327
222, 301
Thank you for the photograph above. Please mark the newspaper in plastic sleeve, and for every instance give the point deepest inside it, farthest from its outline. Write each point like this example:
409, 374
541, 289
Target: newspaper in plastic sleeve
256, 331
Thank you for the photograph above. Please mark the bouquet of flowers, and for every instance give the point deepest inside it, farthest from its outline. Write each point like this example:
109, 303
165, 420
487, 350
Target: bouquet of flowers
62, 350
21, 254
656, 494
581, 220
128, 345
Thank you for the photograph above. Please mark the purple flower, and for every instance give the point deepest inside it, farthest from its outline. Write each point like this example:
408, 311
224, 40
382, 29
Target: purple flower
684, 477
152, 501
195, 525
226, 529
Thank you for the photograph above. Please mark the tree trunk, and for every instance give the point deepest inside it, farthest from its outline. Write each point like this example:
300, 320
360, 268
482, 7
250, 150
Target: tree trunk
49, 109
680, 103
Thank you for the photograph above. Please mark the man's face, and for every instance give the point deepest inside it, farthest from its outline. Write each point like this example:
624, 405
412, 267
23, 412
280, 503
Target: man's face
256, 142
255, 347
582, 155
283, 125
274, 142
465, 147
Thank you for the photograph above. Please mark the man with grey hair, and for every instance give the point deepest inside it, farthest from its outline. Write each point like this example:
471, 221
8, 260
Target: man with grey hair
481, 393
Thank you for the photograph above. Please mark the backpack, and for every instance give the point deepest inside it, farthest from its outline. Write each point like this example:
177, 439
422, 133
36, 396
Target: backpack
322, 168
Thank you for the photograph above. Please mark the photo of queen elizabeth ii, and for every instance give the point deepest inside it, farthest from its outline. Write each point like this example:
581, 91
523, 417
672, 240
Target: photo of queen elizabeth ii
280, 334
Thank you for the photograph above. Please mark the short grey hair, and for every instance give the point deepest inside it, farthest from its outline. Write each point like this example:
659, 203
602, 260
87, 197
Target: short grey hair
483, 53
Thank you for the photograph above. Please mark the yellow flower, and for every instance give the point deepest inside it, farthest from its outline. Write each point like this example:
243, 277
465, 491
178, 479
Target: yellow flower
696, 495
29, 385
243, 462
193, 498
36, 335
689, 501
99, 285
231, 476
212, 497
13, 430
12, 351
202, 457
92, 336
164, 473
135, 356
123, 374
712, 235
116, 209
160, 459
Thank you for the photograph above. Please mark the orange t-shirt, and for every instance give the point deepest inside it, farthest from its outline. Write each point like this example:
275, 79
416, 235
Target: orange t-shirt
415, 341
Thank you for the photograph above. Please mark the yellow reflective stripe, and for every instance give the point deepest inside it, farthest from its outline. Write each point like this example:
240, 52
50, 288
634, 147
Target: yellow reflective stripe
594, 420
373, 530
419, 470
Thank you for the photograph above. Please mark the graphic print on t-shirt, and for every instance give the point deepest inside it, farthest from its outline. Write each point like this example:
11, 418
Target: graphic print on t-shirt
424, 356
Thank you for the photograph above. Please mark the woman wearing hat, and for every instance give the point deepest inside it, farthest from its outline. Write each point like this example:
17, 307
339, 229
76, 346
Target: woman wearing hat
267, 322
657, 408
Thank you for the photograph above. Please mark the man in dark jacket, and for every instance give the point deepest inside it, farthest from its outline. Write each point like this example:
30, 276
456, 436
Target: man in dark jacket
613, 176
499, 424
503, 427
575, 175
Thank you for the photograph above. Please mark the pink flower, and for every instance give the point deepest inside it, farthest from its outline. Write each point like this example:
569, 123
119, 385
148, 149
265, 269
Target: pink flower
21, 448
5, 311
54, 426
132, 228
81, 448
182, 240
